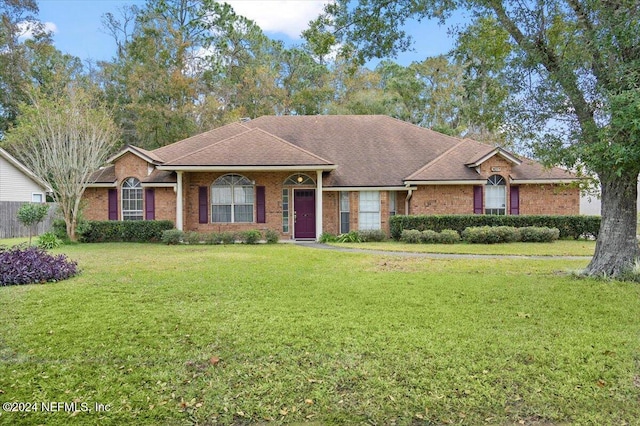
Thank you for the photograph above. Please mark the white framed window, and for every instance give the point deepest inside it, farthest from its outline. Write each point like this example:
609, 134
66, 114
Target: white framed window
345, 214
232, 199
37, 197
285, 210
369, 211
393, 197
131, 199
299, 179
495, 196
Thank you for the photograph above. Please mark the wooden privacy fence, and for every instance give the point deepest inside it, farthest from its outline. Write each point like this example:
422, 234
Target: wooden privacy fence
10, 227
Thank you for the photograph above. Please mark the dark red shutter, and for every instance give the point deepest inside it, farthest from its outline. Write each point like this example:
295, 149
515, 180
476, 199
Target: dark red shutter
113, 204
261, 205
203, 204
477, 199
149, 204
514, 204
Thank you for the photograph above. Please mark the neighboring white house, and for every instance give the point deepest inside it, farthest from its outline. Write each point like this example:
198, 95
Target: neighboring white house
17, 183
590, 204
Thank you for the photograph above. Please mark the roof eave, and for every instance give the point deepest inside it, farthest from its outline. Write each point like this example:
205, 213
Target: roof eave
498, 151
447, 182
179, 168
544, 181
102, 185
132, 149
158, 184
366, 188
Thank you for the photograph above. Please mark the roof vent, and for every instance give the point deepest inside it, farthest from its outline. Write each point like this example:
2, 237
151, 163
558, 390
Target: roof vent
245, 119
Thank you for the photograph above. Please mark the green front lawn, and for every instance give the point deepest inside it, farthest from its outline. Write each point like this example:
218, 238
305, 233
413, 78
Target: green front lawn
556, 248
248, 334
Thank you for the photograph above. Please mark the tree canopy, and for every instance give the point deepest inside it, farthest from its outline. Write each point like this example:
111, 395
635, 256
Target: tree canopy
573, 72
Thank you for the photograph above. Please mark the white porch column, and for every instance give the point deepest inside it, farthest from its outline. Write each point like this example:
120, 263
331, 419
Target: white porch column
318, 204
179, 209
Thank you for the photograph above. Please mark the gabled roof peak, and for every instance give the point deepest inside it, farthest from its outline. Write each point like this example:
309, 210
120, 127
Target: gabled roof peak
148, 156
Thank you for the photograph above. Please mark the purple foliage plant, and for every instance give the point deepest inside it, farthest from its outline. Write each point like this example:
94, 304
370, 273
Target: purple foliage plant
29, 264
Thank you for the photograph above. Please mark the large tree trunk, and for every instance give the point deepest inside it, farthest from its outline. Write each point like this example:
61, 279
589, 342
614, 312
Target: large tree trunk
617, 245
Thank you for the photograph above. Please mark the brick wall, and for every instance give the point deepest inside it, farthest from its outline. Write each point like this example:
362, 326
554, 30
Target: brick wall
331, 216
495, 165
458, 199
442, 199
96, 200
95, 204
549, 199
130, 165
331, 212
165, 204
273, 183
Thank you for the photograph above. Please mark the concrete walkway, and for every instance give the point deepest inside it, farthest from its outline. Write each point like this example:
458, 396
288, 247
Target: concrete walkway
320, 246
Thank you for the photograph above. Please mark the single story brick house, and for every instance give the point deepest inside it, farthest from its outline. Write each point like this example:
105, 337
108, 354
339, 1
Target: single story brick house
305, 175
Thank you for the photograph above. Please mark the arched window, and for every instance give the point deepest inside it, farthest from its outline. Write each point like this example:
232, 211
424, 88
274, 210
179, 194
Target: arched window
299, 179
232, 199
131, 199
495, 195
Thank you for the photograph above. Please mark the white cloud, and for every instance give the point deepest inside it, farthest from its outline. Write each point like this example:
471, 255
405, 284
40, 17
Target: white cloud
27, 28
290, 17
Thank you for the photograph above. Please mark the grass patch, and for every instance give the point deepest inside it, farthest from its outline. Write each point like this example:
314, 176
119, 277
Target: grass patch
248, 334
556, 248
15, 241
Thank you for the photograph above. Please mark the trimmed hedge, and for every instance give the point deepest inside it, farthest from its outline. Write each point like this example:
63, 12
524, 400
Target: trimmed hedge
490, 234
253, 236
138, 231
413, 236
570, 226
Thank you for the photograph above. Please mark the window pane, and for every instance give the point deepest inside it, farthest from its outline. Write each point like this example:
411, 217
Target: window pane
369, 217
285, 210
131, 199
243, 194
369, 221
496, 197
370, 201
244, 213
221, 195
392, 203
344, 201
344, 222
221, 214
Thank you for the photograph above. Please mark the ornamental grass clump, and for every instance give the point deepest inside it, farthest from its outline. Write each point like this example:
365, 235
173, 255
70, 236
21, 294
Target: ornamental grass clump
28, 265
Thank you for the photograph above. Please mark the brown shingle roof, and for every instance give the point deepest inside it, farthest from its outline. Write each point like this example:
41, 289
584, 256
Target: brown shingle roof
104, 175
532, 170
161, 176
253, 147
194, 143
371, 150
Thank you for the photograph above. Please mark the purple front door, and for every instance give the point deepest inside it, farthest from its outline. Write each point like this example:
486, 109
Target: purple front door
304, 204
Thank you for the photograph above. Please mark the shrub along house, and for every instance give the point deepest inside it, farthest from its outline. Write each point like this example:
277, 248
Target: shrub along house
304, 175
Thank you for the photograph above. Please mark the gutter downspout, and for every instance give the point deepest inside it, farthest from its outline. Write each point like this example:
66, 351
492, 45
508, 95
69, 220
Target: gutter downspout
406, 201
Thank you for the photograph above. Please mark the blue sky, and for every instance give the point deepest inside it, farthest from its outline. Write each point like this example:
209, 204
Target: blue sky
77, 25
